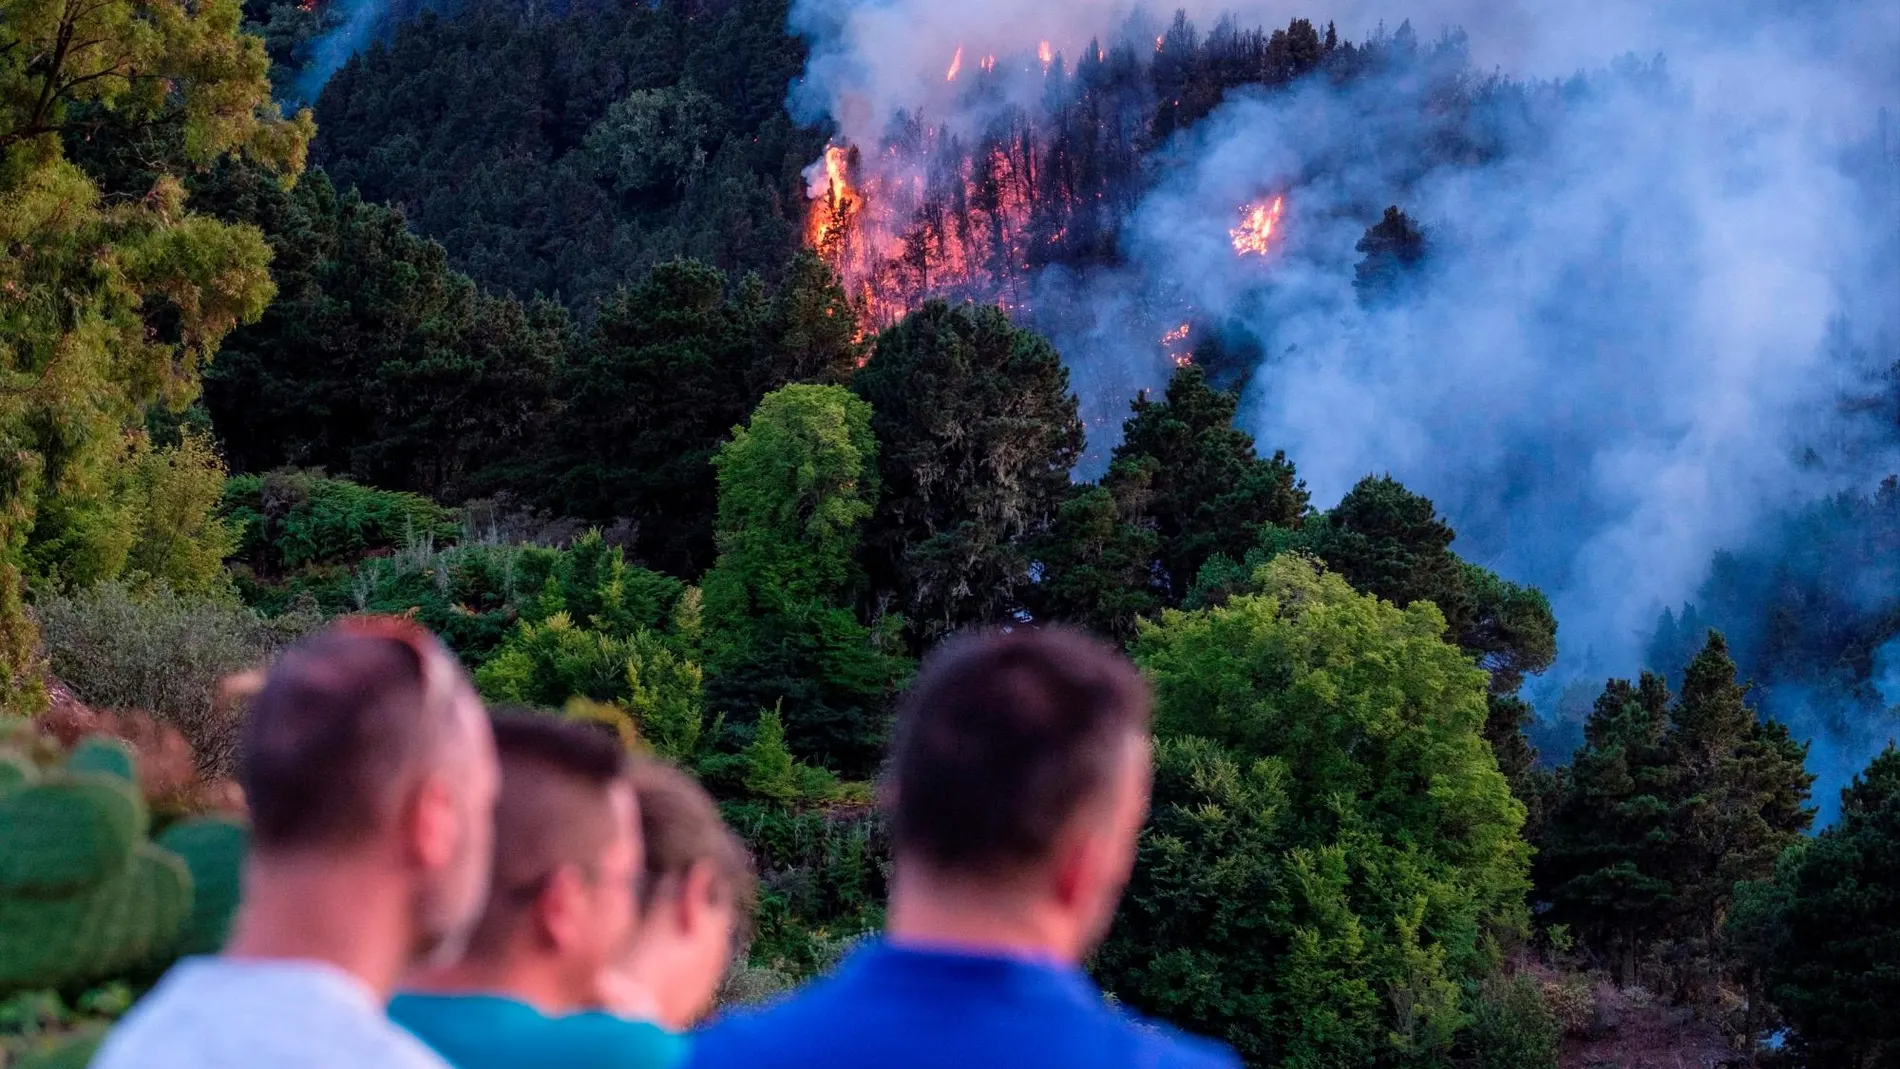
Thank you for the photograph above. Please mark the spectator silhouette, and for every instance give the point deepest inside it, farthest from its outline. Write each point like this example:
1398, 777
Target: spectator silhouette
1018, 783
369, 770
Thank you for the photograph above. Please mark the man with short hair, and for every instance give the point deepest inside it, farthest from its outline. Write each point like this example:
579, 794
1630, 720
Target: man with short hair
560, 909
1019, 779
369, 771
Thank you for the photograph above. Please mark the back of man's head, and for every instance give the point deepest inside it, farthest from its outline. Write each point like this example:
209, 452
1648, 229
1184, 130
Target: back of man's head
367, 741
567, 860
1010, 745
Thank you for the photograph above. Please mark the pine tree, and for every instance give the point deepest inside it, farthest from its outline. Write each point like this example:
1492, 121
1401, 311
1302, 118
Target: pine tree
1393, 249
1741, 794
1663, 810
1209, 491
1824, 934
1097, 558
1603, 864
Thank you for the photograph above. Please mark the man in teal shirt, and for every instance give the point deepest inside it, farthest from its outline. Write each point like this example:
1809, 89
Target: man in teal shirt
560, 909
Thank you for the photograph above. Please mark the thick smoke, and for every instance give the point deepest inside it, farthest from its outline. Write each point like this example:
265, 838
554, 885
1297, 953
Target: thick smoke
1646, 324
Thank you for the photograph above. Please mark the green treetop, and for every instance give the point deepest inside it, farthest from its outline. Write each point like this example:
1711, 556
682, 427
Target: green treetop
113, 302
976, 432
796, 484
1332, 846
1824, 934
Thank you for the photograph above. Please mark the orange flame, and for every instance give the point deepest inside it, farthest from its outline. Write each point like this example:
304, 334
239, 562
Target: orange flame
1157, 42
834, 200
956, 64
988, 64
1170, 343
1255, 232
1043, 53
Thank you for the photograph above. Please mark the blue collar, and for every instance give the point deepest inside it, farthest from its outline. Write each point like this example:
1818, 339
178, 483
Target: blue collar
883, 965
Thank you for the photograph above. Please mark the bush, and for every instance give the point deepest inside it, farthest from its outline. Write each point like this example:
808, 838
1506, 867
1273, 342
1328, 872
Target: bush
163, 652
1511, 1027
291, 519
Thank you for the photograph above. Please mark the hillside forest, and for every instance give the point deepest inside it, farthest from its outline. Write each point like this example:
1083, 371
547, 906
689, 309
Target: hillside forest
560, 365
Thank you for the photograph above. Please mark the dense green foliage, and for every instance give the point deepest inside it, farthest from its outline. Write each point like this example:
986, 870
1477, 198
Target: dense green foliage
669, 366
623, 136
1208, 491
1333, 850
1823, 934
112, 303
1667, 806
375, 361
795, 486
976, 433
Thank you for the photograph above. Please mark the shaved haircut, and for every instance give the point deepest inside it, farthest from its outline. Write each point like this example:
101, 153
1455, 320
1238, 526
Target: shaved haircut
341, 730
555, 810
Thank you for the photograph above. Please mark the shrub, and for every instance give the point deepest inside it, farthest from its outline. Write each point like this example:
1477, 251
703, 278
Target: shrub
165, 652
1511, 1027
290, 519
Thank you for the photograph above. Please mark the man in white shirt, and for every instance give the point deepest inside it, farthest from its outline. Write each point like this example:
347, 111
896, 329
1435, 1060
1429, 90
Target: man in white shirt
370, 773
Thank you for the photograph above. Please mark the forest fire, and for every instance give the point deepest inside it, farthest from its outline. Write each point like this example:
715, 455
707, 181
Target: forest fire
1044, 54
1254, 235
834, 199
1174, 343
956, 64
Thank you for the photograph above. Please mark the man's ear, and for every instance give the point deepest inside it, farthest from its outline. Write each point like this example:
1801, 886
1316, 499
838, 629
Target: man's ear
1078, 851
698, 891
560, 909
432, 825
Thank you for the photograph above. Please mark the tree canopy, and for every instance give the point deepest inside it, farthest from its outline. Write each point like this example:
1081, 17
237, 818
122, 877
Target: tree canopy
113, 303
1321, 756
976, 431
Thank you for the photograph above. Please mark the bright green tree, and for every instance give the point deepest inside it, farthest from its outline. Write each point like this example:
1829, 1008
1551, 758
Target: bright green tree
796, 484
1333, 849
111, 303
976, 433
1824, 935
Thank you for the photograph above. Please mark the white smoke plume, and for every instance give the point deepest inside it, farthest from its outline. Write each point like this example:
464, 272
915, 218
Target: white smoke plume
1637, 328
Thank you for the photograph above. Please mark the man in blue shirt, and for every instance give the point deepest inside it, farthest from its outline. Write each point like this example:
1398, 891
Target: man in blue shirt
1018, 782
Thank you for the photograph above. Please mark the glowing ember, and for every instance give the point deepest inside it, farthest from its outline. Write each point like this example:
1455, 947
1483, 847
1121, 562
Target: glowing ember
956, 64
1174, 346
1255, 232
988, 64
1043, 53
